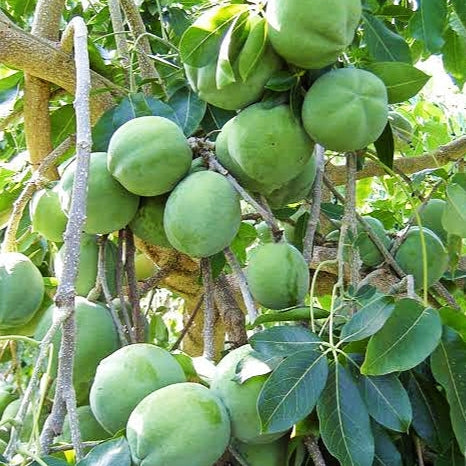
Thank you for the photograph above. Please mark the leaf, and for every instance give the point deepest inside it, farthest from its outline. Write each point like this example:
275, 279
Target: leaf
402, 80
281, 81
51, 461
454, 319
102, 131
454, 214
448, 363
200, 43
385, 146
63, 123
215, 118
454, 56
460, 8
387, 401
382, 43
368, 320
113, 452
450, 457
189, 109
409, 335
344, 420
253, 48
428, 23
386, 453
292, 390
284, 340
298, 313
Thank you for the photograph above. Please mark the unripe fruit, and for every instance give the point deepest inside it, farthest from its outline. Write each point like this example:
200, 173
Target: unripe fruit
431, 217
278, 275
90, 429
368, 251
144, 368
182, 424
346, 109
149, 155
21, 290
144, 267
202, 214
269, 454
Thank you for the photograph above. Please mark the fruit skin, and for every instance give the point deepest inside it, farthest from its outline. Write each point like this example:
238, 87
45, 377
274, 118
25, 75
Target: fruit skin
144, 267
7, 395
110, 207
312, 34
47, 215
147, 224
202, 214
96, 338
177, 425
277, 275
269, 145
269, 454
241, 399
149, 155
10, 413
238, 94
368, 251
431, 217
144, 368
91, 430
21, 290
346, 109
410, 258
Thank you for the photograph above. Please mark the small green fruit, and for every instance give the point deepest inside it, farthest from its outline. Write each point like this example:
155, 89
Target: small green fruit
269, 454
431, 217
91, 430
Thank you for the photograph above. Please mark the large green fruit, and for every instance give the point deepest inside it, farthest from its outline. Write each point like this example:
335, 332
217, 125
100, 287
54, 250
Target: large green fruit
431, 217
96, 338
241, 399
91, 430
269, 145
269, 454
47, 216
21, 290
346, 109
144, 368
368, 251
149, 155
179, 425
312, 33
202, 214
278, 275
410, 256
238, 94
110, 207
147, 224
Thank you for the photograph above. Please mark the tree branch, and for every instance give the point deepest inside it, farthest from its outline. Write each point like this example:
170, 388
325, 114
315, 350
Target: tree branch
209, 311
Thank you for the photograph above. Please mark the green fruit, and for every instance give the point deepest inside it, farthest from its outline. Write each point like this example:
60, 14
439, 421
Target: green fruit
10, 413
313, 33
202, 214
109, 206
241, 399
238, 94
269, 454
96, 338
368, 251
21, 290
264, 234
7, 395
47, 215
410, 256
29, 328
431, 217
346, 109
269, 145
149, 155
147, 224
182, 424
144, 369
278, 275
91, 430
144, 266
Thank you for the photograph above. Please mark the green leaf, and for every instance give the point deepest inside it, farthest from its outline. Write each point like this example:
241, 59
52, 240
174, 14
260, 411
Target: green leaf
386, 453
200, 43
454, 214
409, 335
402, 80
113, 452
284, 340
382, 43
344, 420
189, 109
102, 131
385, 146
450, 457
387, 401
51, 461
454, 56
428, 23
294, 314
253, 48
292, 390
63, 123
454, 319
448, 363
460, 8
215, 118
368, 320
282, 80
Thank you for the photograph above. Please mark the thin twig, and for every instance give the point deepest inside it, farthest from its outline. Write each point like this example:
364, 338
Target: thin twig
419, 454
188, 324
116, 18
209, 311
314, 452
152, 282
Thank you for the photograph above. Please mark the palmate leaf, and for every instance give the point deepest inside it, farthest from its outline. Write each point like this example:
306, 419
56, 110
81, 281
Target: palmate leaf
409, 335
344, 420
292, 390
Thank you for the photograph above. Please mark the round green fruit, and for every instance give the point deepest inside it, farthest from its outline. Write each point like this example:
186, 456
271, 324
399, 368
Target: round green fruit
147, 224
10, 413
47, 216
269, 145
346, 109
144, 368
7, 395
312, 34
144, 266
96, 338
238, 94
368, 251
110, 207
431, 217
177, 425
149, 155
21, 290
269, 454
202, 214
241, 399
91, 430
410, 256
278, 275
